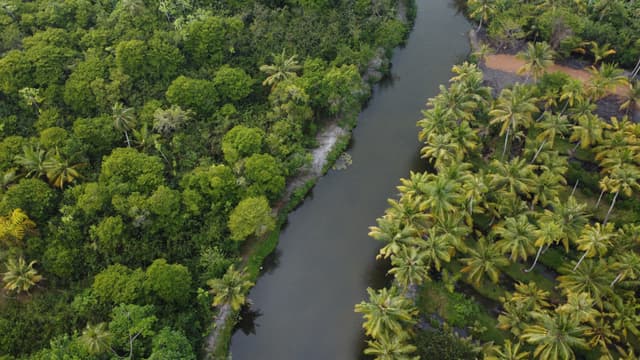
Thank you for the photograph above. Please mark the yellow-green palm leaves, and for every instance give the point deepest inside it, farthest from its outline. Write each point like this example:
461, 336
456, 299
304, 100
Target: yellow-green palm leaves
14, 227
484, 259
555, 336
537, 58
231, 289
20, 275
386, 313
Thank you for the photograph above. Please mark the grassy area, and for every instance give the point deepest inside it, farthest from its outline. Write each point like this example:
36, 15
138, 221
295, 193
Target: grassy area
460, 311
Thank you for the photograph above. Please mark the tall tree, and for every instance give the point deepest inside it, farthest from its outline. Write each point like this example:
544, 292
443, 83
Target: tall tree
20, 276
283, 68
537, 58
231, 289
555, 336
123, 119
386, 313
513, 110
484, 259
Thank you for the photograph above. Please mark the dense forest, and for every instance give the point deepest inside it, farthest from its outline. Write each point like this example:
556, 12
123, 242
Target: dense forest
521, 240
142, 142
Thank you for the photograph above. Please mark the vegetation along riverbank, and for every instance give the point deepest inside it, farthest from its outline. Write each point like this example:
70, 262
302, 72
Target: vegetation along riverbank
521, 241
145, 152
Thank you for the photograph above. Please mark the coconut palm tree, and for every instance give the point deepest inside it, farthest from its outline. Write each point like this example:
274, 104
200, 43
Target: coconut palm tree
551, 126
408, 211
123, 119
533, 298
386, 313
589, 278
390, 231
588, 131
283, 68
14, 227
555, 336
484, 259
437, 247
513, 110
410, 267
508, 351
231, 289
625, 180
631, 98
625, 315
440, 150
96, 339
572, 92
594, 240
32, 160
604, 80
549, 232
547, 188
458, 104
601, 335
517, 237
600, 52
474, 189
394, 346
412, 186
627, 265
538, 57
464, 138
20, 276
482, 10
60, 172
571, 217
515, 176
442, 195
580, 306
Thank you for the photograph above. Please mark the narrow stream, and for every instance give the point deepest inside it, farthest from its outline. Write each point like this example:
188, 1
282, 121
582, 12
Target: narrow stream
303, 303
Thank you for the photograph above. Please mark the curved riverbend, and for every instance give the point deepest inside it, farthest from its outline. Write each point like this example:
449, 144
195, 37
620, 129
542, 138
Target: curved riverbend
303, 305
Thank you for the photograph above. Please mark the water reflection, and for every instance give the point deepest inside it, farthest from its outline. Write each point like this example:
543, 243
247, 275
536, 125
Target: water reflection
247, 323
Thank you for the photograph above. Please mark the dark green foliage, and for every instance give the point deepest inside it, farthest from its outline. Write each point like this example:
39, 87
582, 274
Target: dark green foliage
34, 196
437, 344
171, 344
169, 282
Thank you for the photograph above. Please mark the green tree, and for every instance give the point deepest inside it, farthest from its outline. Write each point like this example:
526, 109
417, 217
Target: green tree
171, 344
130, 322
252, 216
15, 227
264, 176
96, 339
166, 121
409, 267
170, 282
594, 240
240, 142
391, 347
513, 110
232, 83
518, 237
117, 284
283, 68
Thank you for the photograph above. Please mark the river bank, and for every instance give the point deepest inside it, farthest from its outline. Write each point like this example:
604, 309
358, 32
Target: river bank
331, 140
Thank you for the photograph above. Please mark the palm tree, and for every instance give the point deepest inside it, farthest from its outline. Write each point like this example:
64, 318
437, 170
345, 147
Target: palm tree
409, 267
464, 138
588, 131
231, 289
572, 92
605, 79
625, 179
20, 276
14, 228
571, 217
485, 259
408, 211
482, 10
579, 306
390, 231
515, 176
123, 119
442, 195
549, 232
532, 297
601, 335
538, 57
7, 179
547, 188
167, 121
625, 315
437, 247
393, 346
518, 236
555, 336
589, 278
513, 110
33, 160
552, 126
386, 313
600, 52
631, 98
508, 351
474, 189
60, 172
594, 240
96, 338
283, 67
440, 150
627, 265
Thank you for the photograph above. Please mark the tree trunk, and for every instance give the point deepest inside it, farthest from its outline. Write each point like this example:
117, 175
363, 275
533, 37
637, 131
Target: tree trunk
576, 147
506, 139
564, 108
580, 261
535, 261
616, 279
599, 198
127, 137
636, 69
574, 187
479, 25
613, 202
538, 152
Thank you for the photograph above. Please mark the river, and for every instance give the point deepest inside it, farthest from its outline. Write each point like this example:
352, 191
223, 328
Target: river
303, 303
